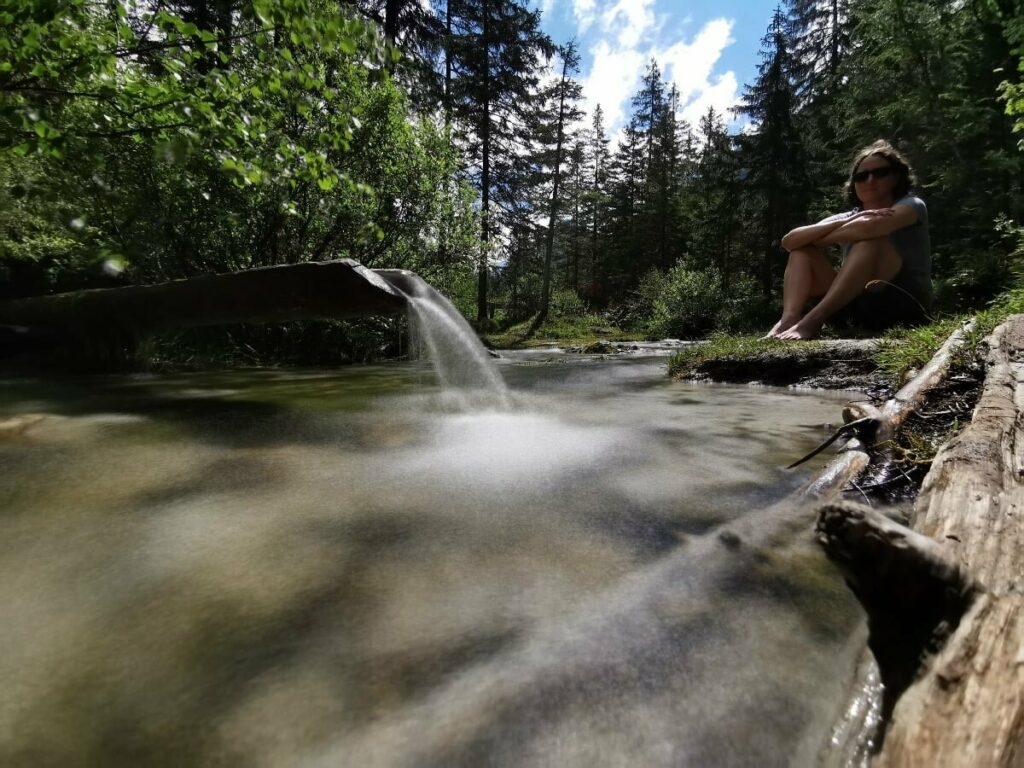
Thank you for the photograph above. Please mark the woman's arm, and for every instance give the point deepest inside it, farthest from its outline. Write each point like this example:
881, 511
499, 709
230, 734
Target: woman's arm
807, 235
884, 222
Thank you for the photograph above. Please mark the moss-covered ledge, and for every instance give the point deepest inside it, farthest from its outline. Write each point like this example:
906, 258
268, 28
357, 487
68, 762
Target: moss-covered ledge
828, 363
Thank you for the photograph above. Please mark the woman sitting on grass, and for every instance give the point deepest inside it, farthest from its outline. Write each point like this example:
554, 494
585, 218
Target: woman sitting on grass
885, 278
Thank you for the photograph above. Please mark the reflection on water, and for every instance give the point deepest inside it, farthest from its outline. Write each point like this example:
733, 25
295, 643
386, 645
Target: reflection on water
338, 568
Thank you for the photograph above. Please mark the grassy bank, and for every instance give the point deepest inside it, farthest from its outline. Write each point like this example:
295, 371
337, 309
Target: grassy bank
900, 351
563, 330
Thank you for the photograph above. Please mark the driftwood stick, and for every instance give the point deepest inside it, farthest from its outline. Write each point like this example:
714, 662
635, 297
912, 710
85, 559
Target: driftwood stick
891, 415
875, 425
847, 429
841, 471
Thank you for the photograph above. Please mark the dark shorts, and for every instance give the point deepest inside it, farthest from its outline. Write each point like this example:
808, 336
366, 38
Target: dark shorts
888, 307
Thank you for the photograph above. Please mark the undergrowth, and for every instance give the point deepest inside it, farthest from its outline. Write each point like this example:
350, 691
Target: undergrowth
564, 329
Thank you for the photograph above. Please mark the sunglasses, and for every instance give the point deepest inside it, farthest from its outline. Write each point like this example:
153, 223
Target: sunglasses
878, 173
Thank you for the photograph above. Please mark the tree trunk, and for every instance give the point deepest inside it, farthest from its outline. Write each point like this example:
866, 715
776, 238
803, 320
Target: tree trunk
549, 243
946, 614
485, 180
391, 11
968, 706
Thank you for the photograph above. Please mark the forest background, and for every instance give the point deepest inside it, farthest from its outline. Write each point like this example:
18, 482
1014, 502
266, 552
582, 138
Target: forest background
153, 140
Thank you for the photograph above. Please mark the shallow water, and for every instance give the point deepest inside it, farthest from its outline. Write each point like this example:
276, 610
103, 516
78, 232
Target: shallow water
343, 568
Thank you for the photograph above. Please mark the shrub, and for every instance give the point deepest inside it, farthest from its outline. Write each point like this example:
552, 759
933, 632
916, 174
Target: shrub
688, 304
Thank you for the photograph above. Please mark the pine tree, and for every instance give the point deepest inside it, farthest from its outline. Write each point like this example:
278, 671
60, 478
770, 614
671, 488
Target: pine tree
494, 47
773, 154
714, 197
595, 200
626, 251
819, 31
417, 32
563, 97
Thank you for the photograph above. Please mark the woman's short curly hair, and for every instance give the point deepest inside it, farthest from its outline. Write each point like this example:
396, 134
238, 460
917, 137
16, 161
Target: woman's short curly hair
905, 175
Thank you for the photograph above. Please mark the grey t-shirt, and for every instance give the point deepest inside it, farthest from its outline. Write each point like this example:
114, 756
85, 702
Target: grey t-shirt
913, 244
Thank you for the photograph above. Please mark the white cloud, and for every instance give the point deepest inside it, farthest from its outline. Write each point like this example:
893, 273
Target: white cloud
635, 18
625, 47
721, 95
612, 80
689, 65
546, 6
585, 12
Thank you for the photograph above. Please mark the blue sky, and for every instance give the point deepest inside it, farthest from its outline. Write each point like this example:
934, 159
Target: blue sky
710, 49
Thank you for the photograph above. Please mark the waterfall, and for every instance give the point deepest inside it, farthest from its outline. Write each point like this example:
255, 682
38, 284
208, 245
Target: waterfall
440, 332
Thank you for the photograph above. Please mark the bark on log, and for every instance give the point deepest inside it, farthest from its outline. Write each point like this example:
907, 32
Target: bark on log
912, 589
313, 290
967, 709
840, 472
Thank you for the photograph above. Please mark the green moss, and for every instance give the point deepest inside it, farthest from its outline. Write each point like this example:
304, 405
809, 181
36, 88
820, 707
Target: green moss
727, 347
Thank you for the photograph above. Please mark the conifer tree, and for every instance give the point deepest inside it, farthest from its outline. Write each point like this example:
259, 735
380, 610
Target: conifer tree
595, 199
563, 98
495, 47
714, 197
772, 154
625, 189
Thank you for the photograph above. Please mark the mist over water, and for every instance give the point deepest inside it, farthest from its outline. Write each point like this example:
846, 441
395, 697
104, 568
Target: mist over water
335, 568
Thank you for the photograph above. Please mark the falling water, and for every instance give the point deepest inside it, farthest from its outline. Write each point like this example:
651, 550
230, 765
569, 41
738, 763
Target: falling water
440, 333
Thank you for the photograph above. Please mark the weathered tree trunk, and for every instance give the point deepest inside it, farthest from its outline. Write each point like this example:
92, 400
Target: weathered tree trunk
313, 290
910, 587
962, 702
968, 706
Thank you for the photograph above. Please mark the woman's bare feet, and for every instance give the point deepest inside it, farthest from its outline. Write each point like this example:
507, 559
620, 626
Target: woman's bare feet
784, 324
801, 331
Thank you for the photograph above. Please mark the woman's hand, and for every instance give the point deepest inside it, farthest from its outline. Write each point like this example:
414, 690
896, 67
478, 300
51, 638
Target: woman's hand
872, 213
867, 225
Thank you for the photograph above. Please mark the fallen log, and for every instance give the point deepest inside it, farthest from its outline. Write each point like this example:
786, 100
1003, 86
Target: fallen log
944, 603
967, 707
913, 591
313, 290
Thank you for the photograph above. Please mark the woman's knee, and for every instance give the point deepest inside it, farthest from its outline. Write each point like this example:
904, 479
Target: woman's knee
880, 250
806, 253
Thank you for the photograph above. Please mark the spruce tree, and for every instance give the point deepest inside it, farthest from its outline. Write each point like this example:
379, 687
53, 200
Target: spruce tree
595, 199
563, 98
772, 154
495, 49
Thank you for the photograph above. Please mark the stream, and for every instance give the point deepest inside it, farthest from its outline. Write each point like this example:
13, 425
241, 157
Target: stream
345, 567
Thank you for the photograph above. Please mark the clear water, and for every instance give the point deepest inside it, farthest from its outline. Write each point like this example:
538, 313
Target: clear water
341, 568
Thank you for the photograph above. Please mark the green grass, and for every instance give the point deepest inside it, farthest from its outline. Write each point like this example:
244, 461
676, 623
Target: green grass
731, 347
909, 349
902, 349
577, 330
905, 349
